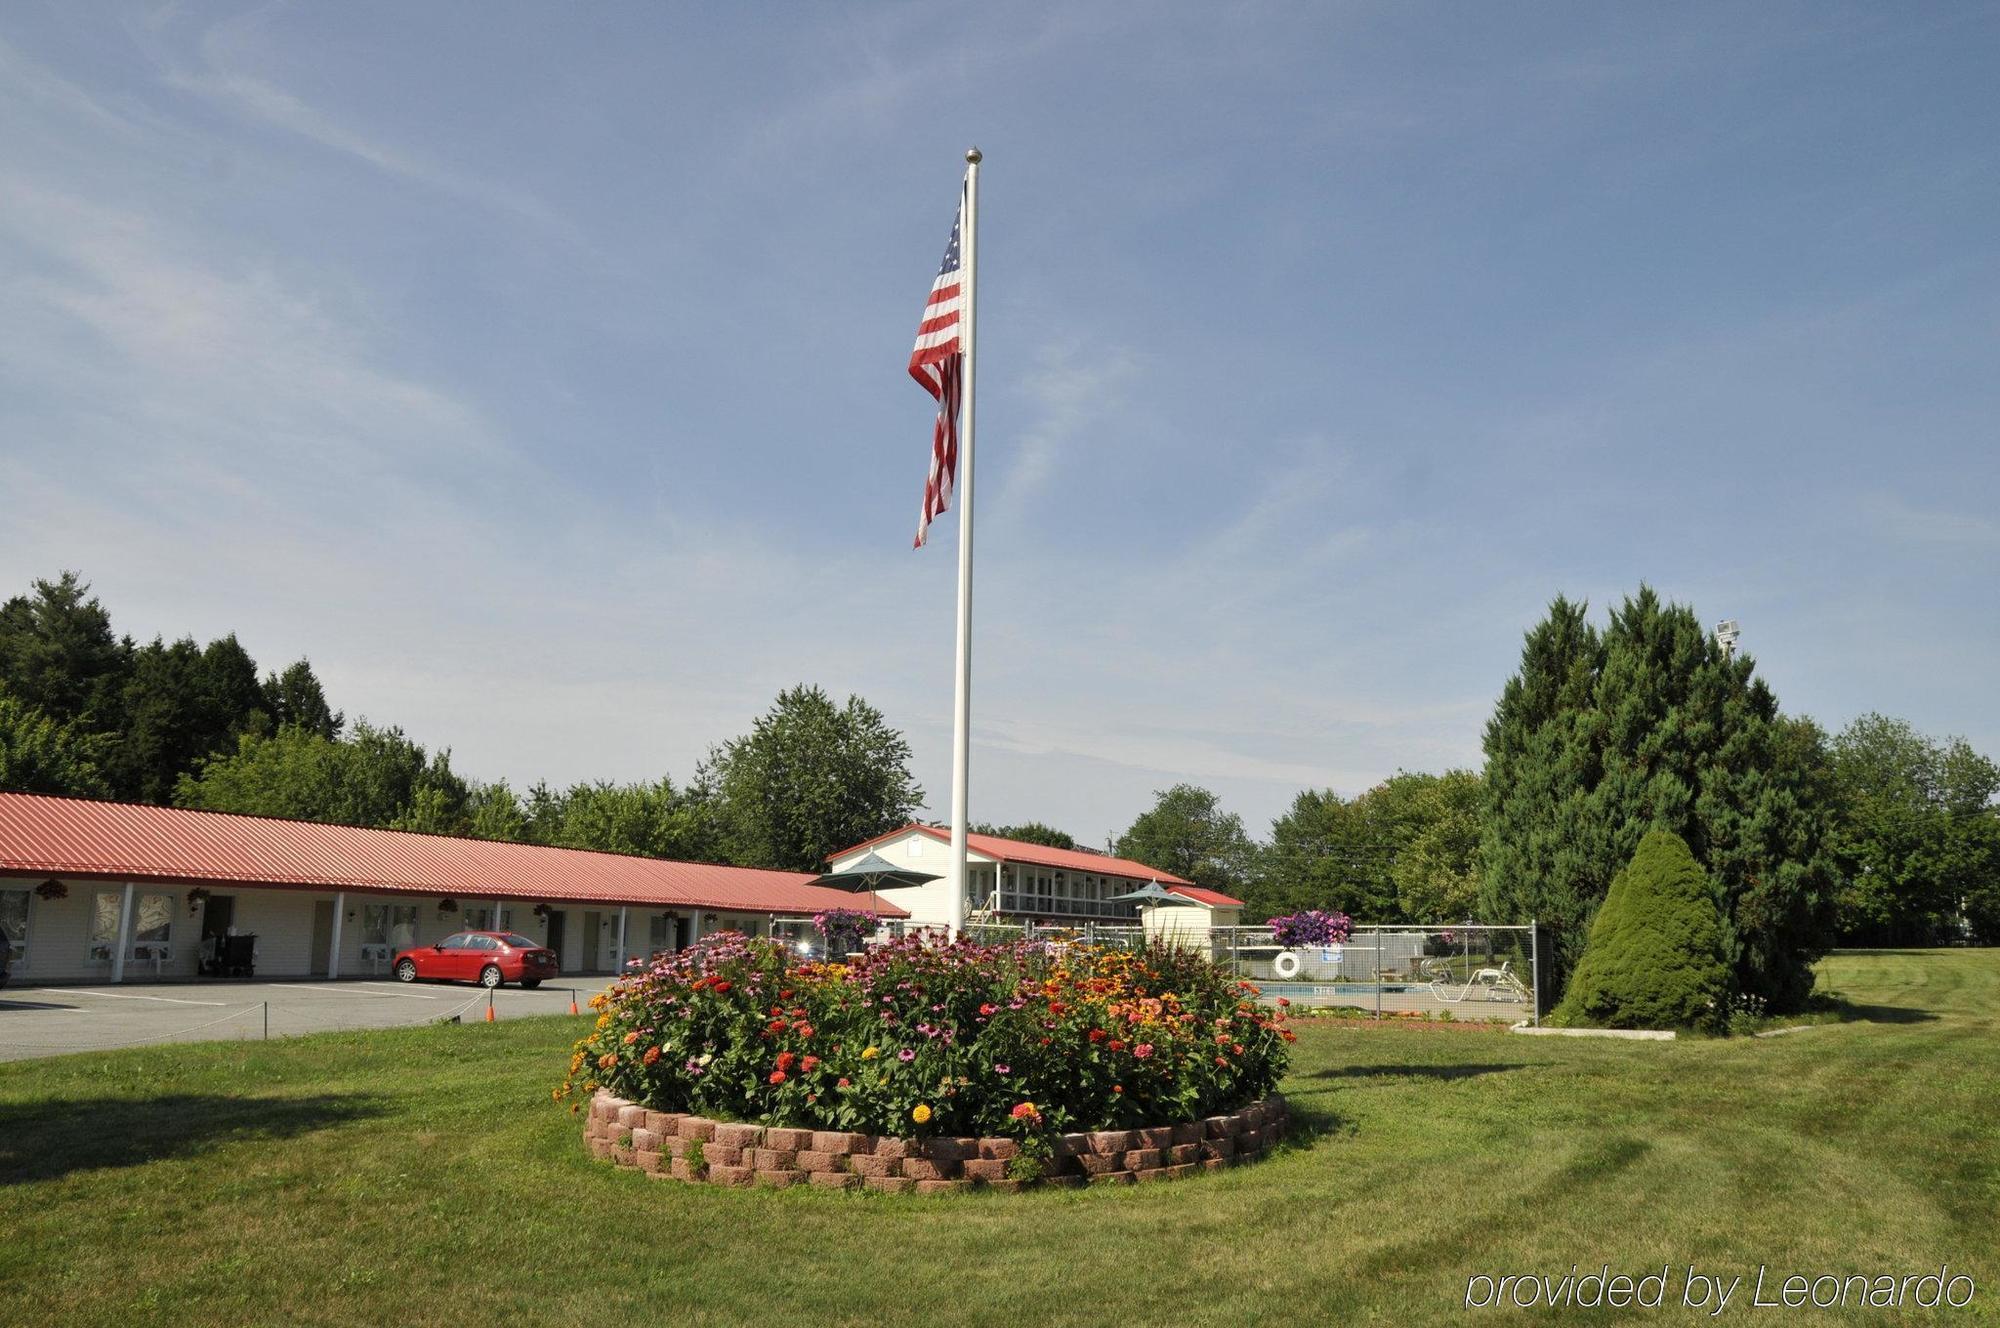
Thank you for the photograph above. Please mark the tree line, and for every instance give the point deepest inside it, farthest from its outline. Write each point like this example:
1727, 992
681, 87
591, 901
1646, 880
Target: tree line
1877, 834
87, 713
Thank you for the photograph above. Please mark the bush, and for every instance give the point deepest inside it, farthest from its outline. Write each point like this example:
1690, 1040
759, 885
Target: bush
1655, 957
916, 1039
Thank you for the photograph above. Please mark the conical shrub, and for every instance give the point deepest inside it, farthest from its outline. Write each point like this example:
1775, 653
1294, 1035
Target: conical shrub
1655, 956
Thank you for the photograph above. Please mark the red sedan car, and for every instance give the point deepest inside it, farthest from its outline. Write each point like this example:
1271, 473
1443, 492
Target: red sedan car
489, 958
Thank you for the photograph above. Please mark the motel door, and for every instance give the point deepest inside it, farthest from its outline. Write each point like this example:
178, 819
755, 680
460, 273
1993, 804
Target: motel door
590, 952
322, 935
555, 938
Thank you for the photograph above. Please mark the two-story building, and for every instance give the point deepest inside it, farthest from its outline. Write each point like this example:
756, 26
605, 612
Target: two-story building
1013, 880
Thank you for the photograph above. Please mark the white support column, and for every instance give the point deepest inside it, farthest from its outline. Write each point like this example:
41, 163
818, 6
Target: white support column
496, 917
623, 910
333, 943
694, 928
124, 936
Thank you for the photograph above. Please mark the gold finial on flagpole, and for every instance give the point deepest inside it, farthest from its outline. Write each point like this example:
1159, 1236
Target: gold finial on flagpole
974, 156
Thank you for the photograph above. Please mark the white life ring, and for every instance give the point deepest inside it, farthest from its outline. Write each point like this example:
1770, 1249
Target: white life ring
1286, 965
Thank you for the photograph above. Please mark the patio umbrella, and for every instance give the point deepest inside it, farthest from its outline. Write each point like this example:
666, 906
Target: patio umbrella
1152, 892
872, 873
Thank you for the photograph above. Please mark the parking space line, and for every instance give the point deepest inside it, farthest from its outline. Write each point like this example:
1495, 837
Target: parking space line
130, 996
351, 989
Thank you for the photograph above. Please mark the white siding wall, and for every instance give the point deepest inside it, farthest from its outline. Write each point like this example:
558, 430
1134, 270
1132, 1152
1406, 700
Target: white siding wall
929, 905
282, 921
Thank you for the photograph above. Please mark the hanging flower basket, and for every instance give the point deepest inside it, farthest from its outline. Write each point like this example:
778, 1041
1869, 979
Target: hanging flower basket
844, 928
196, 898
52, 889
1312, 926
447, 905
541, 910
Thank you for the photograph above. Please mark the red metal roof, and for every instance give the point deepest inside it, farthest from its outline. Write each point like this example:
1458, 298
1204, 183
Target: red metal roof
47, 836
1069, 859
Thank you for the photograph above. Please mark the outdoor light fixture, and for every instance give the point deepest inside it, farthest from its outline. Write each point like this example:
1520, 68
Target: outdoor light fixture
1726, 633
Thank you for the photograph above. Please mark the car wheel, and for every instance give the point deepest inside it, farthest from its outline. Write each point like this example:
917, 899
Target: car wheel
529, 984
489, 976
406, 971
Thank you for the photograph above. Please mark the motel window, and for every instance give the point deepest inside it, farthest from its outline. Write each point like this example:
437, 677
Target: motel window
660, 933
152, 922
481, 919
391, 925
14, 923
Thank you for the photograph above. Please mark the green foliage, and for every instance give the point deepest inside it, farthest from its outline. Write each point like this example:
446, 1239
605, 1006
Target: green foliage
1030, 832
808, 779
1406, 850
38, 755
295, 699
650, 820
58, 654
1437, 869
1655, 955
1982, 897
1600, 737
378, 777
183, 703
1188, 834
1915, 833
148, 714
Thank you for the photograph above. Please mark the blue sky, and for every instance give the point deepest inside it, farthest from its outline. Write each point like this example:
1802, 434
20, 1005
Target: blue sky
538, 370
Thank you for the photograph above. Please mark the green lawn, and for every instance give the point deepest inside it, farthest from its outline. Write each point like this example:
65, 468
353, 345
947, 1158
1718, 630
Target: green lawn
393, 1177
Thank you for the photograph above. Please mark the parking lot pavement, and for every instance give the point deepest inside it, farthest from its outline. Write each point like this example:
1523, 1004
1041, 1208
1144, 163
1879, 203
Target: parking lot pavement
53, 1021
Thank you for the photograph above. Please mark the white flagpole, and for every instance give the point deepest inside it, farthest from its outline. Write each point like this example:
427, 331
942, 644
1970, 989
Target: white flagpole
961, 720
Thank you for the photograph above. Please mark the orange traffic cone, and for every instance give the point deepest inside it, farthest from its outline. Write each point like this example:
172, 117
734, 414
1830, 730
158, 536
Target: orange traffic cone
489, 1009
572, 1003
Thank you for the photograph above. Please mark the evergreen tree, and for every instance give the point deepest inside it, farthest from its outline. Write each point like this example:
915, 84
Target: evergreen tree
1655, 954
182, 704
1601, 738
295, 698
1543, 852
58, 654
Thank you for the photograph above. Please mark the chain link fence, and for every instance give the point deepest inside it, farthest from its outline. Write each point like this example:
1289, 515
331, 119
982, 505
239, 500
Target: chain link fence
1466, 970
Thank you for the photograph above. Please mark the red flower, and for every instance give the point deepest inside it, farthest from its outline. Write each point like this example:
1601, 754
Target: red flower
721, 985
1222, 1061
776, 1026
808, 1065
988, 1009
840, 1082
1097, 1035
652, 1056
804, 1030
777, 1076
786, 1058
1117, 1044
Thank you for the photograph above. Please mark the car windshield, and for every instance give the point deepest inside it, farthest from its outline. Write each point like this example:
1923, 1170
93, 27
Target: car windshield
520, 942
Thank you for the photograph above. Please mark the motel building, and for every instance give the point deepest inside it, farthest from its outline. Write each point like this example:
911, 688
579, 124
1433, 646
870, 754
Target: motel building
116, 892
1014, 882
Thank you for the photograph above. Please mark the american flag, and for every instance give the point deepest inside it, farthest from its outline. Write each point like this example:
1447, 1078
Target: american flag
938, 363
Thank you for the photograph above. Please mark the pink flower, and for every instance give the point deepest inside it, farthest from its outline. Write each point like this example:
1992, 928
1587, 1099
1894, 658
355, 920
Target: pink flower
1143, 1050
1003, 1069
906, 1055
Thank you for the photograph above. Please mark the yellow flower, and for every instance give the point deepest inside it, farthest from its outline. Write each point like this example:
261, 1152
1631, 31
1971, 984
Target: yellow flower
871, 1053
920, 1113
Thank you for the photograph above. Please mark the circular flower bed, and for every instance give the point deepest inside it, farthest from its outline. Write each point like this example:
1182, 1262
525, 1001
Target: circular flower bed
1029, 1041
